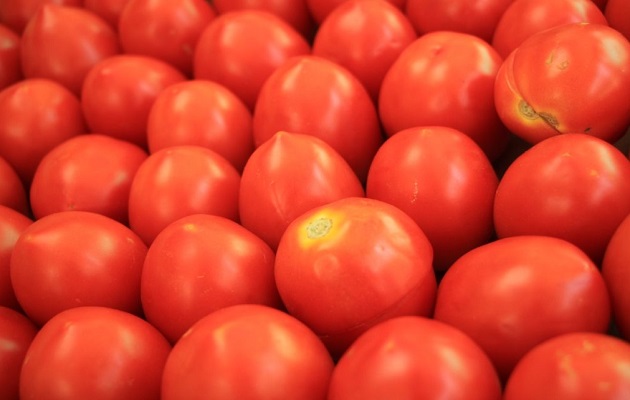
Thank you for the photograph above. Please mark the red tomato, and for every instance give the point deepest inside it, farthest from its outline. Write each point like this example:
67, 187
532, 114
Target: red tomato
477, 18
390, 362
314, 96
76, 258
377, 32
118, 94
616, 12
10, 62
444, 181
348, 265
577, 366
199, 264
573, 186
12, 223
12, 192
321, 8
454, 73
166, 30
17, 13
86, 173
179, 181
240, 49
514, 293
247, 352
574, 78
524, 18
202, 113
94, 353
16, 334
288, 175
109, 10
36, 115
616, 271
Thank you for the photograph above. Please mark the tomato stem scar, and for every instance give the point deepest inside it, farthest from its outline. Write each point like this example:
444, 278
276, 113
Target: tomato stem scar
319, 228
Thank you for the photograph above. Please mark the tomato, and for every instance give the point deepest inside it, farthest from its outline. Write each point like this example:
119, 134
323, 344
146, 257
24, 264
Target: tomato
511, 294
94, 353
16, 334
240, 49
524, 18
76, 258
63, 43
616, 273
179, 181
455, 73
10, 61
576, 366
203, 113
36, 115
478, 18
17, 13
247, 352
166, 30
118, 94
320, 9
288, 175
376, 30
12, 223
414, 358
348, 265
444, 181
12, 191
616, 12
312, 95
573, 186
109, 10
573, 78
86, 173
202, 263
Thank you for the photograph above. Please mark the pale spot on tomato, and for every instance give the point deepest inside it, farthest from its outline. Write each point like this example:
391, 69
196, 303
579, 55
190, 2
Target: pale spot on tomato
319, 228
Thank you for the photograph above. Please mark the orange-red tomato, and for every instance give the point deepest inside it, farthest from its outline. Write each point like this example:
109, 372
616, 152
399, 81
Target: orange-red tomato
16, 334
10, 60
12, 223
617, 274
17, 13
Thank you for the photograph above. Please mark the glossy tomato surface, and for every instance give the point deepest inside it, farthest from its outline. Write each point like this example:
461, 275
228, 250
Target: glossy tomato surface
17, 13
616, 12
109, 10
12, 224
616, 271
12, 190
10, 61
320, 9
16, 334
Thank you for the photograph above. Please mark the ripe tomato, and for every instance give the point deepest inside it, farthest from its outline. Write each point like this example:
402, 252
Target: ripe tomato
574, 78
348, 265
199, 264
12, 192
524, 18
86, 173
321, 8
17, 13
573, 366
12, 223
10, 62
166, 30
616, 12
202, 113
288, 175
414, 358
119, 91
617, 275
240, 49
442, 179
376, 30
455, 73
109, 10
179, 181
76, 258
94, 353
572, 186
511, 294
36, 115
16, 334
315, 96
247, 352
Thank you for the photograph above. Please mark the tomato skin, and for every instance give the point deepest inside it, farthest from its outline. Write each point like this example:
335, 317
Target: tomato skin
109, 10
12, 192
90, 172
444, 181
10, 61
314, 96
572, 186
202, 263
616, 12
288, 175
247, 352
179, 181
16, 334
616, 273
240, 49
445, 363
36, 115
348, 265
511, 294
376, 30
574, 366
99, 353
203, 113
573, 78
76, 258
12, 224
118, 93
17, 13
320, 9
435, 65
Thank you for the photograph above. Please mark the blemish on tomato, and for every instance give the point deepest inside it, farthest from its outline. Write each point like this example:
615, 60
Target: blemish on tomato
319, 228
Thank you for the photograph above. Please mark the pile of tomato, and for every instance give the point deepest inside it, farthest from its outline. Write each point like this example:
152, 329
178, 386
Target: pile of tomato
314, 199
